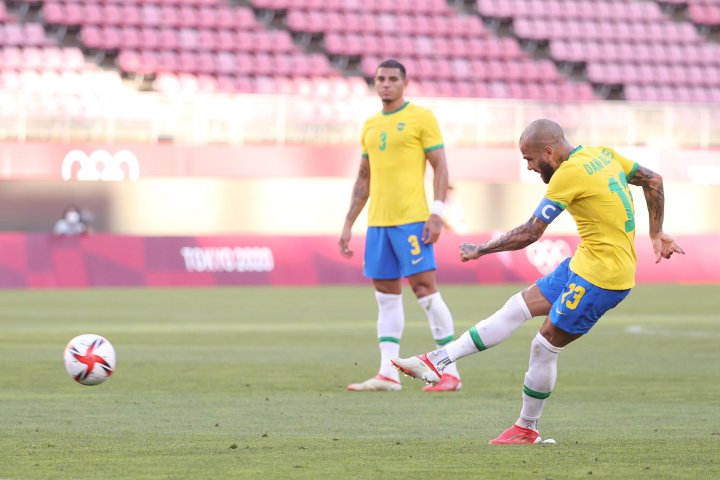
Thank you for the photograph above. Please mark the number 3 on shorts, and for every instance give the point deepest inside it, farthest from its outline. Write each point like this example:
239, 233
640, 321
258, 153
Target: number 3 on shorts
578, 291
414, 244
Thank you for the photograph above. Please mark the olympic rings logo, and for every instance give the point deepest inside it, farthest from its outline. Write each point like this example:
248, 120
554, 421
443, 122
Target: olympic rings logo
101, 165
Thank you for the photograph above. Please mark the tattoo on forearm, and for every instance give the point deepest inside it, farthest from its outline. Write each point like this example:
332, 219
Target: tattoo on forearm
361, 192
515, 239
652, 186
655, 200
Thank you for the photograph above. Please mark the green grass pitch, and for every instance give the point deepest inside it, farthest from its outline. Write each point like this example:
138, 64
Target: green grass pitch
250, 383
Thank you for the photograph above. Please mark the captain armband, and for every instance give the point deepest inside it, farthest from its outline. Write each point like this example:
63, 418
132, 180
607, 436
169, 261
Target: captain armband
548, 210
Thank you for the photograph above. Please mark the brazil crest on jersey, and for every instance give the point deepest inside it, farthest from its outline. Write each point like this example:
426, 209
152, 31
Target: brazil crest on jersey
592, 184
396, 144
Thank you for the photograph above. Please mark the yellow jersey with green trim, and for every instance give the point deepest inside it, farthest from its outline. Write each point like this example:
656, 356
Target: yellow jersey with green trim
396, 145
592, 185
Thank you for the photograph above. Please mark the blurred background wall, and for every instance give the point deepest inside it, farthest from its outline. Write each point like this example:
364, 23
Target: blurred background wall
243, 116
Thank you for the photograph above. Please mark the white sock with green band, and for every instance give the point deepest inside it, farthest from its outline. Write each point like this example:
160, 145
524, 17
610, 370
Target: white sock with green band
539, 380
491, 331
441, 323
390, 324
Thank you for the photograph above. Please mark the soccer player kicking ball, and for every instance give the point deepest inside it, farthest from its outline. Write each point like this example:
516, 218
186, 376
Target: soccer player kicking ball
592, 184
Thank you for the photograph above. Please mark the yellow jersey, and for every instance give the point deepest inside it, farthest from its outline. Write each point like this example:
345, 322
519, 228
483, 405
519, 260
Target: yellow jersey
396, 145
592, 184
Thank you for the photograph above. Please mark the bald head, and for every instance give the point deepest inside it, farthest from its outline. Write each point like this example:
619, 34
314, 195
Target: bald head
542, 132
544, 147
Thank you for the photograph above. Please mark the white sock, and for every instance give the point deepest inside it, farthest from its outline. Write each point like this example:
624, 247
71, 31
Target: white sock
390, 324
539, 380
389, 350
441, 324
491, 331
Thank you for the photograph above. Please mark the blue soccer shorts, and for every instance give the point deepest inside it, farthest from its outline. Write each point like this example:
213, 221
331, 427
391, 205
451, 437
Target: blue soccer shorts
394, 252
576, 303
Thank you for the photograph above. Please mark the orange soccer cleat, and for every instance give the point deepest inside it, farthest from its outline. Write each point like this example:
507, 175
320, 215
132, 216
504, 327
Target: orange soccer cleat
447, 383
517, 435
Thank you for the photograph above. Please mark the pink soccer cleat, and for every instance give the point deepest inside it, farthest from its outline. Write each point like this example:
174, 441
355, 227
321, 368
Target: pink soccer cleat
418, 367
517, 435
447, 383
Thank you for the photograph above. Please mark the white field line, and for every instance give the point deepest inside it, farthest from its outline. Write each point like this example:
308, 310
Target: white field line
658, 332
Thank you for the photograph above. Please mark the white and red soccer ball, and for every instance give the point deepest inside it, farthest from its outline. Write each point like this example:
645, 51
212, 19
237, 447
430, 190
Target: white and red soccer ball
89, 359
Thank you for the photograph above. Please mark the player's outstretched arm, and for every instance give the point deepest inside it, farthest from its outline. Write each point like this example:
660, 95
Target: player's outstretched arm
360, 195
652, 184
515, 239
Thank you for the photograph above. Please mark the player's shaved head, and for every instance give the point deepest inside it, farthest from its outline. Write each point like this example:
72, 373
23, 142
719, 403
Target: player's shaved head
544, 146
542, 132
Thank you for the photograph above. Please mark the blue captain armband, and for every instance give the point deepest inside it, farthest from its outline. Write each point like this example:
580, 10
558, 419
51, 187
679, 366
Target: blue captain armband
548, 210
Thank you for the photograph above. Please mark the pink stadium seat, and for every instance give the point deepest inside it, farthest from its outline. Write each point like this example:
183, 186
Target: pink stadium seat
90, 37
112, 15
129, 38
35, 35
207, 18
263, 64
129, 61
206, 63
93, 14
225, 84
169, 17
226, 63
130, 15
187, 62
11, 35
169, 38
11, 58
225, 40
151, 15
167, 61
189, 39
243, 18
150, 38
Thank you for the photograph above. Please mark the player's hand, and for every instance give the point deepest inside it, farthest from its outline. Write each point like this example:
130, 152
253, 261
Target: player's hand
664, 246
344, 243
469, 251
432, 229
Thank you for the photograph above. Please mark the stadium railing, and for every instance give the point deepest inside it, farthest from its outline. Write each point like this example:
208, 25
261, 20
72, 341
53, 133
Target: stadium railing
127, 115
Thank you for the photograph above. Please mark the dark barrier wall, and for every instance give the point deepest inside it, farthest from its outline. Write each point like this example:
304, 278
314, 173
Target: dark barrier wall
102, 260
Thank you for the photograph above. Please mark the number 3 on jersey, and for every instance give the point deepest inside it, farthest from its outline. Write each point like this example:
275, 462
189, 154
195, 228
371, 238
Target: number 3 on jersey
383, 141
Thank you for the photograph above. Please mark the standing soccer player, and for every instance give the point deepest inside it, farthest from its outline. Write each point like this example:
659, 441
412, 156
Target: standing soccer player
396, 144
591, 183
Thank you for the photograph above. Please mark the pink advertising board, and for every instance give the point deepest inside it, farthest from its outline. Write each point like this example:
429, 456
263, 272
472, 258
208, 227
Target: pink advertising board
103, 260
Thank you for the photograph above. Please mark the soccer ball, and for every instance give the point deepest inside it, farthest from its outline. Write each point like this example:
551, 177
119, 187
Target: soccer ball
89, 359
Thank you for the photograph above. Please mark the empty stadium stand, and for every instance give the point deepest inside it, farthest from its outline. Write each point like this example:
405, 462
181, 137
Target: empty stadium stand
556, 50
630, 47
165, 69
